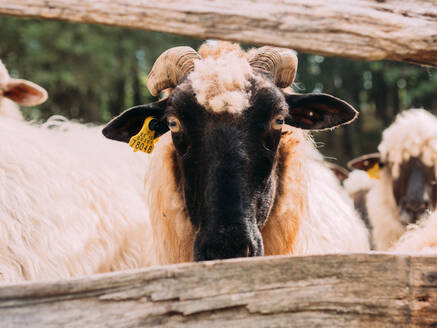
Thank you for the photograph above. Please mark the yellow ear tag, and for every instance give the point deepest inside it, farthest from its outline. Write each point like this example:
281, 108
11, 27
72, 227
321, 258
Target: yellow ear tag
145, 139
373, 172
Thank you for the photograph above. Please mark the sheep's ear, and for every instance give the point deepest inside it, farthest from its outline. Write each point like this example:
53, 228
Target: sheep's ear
25, 93
365, 162
318, 111
130, 122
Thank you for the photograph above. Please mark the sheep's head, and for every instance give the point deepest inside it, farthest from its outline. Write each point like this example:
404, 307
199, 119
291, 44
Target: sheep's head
225, 113
407, 162
21, 91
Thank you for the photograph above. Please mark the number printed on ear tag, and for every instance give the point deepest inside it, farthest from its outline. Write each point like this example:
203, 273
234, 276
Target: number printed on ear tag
145, 139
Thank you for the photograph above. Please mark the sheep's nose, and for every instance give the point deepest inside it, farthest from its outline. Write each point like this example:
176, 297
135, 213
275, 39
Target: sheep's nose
414, 209
229, 244
211, 251
418, 206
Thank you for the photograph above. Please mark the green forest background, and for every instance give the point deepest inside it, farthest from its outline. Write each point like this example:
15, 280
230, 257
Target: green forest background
93, 72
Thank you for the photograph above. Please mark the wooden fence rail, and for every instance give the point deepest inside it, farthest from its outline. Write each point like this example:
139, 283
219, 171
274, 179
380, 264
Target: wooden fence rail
358, 290
404, 30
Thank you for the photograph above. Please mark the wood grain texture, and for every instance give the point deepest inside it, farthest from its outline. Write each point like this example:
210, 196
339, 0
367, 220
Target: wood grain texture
378, 290
404, 30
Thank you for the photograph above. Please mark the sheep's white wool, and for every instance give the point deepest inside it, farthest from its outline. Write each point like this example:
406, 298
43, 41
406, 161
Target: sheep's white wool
330, 223
71, 203
413, 134
172, 230
358, 180
220, 79
9, 109
383, 213
420, 238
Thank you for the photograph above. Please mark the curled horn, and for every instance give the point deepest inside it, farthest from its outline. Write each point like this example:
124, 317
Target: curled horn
170, 67
281, 63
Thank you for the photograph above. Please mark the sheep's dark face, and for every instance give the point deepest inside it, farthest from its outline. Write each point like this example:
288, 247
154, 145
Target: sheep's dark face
227, 169
225, 162
415, 190
414, 187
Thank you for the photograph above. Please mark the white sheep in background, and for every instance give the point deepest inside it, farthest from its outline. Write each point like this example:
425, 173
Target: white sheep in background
357, 181
71, 202
17, 91
406, 189
303, 208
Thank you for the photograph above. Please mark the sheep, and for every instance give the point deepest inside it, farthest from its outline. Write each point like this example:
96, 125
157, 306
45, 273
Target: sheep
419, 238
405, 190
71, 202
237, 175
17, 91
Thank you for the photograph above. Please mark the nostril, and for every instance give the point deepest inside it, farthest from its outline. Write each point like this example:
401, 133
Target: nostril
416, 207
424, 206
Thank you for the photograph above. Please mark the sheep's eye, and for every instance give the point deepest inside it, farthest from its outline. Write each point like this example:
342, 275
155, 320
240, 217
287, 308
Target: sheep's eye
173, 124
277, 122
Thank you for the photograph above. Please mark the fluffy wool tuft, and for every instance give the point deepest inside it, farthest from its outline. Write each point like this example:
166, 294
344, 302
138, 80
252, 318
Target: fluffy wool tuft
71, 203
419, 238
413, 134
357, 181
220, 79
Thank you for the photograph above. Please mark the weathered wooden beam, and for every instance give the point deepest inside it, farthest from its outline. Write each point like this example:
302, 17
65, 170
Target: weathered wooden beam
404, 30
362, 290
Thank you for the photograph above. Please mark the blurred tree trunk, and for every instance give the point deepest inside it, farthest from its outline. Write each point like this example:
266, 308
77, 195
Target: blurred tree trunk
137, 98
396, 103
353, 131
117, 104
348, 141
380, 94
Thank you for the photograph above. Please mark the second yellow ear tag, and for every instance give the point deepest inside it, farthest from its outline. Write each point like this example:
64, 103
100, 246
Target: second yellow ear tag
373, 172
145, 139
